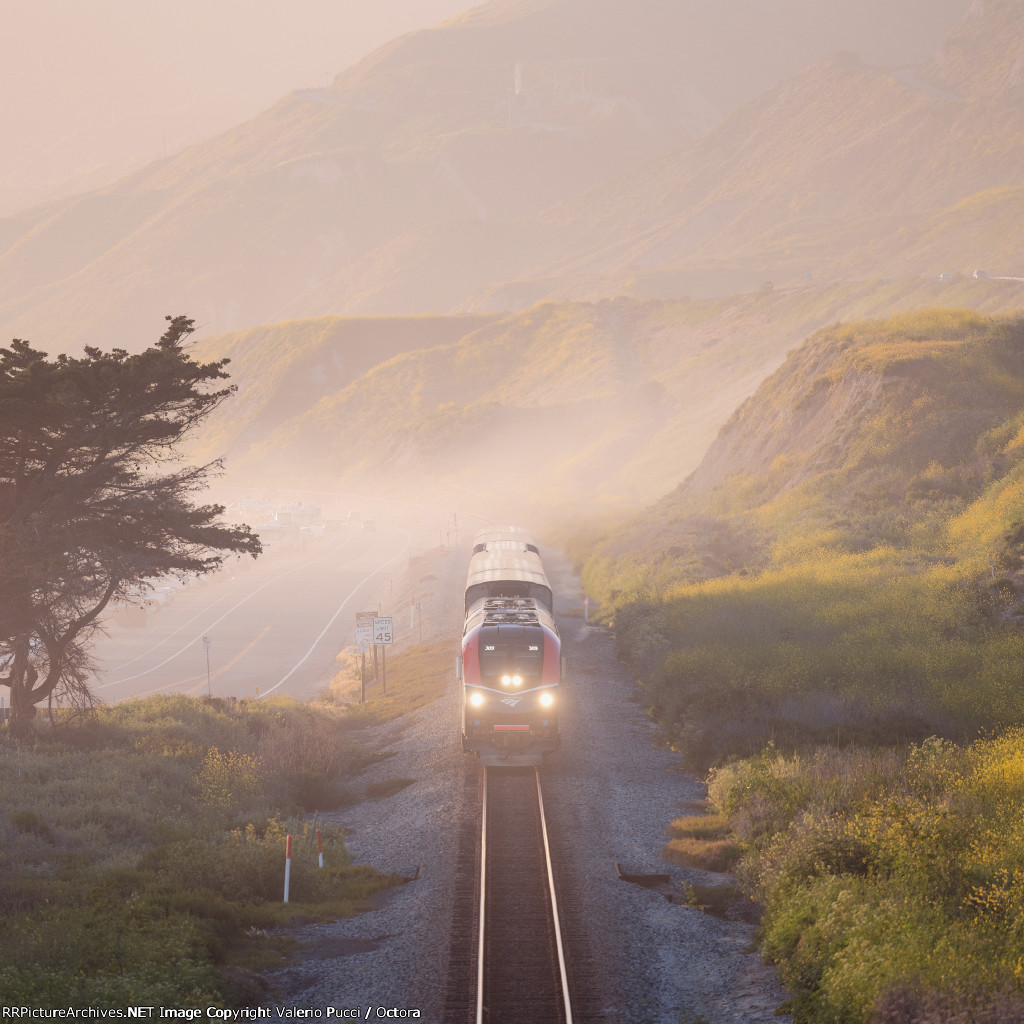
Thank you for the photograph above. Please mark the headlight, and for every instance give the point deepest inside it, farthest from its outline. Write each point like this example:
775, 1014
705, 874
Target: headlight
506, 680
547, 699
476, 699
517, 680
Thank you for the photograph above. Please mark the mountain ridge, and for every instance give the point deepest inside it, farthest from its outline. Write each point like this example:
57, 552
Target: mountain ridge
419, 150
836, 172
561, 410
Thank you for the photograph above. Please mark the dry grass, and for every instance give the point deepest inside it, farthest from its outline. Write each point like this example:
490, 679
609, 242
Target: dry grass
416, 677
700, 826
720, 855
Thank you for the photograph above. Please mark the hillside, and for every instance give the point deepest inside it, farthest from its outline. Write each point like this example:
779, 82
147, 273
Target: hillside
415, 181
853, 433
981, 59
827, 617
282, 371
848, 554
562, 411
844, 171
871, 406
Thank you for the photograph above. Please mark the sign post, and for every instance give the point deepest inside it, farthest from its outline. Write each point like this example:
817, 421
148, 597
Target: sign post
384, 634
364, 637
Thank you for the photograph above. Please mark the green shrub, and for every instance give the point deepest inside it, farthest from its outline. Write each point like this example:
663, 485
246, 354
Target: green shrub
98, 951
142, 861
884, 872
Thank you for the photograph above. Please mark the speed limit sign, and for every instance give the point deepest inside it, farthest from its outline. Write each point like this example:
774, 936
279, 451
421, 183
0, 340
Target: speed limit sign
383, 629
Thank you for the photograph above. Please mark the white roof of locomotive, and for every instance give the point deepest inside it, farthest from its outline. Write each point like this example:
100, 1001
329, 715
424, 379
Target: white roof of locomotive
509, 553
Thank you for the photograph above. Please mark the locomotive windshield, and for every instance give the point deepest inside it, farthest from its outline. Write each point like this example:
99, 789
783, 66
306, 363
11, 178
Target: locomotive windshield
520, 656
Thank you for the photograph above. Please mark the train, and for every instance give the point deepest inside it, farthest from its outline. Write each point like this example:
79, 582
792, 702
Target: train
511, 661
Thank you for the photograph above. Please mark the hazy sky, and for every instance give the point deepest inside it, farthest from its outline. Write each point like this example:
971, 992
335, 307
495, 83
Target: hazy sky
90, 89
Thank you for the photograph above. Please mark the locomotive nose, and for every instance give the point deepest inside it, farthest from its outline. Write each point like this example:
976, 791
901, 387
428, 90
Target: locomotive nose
511, 651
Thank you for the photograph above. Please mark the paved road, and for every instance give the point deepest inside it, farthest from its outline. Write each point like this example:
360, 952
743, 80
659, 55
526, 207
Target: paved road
275, 625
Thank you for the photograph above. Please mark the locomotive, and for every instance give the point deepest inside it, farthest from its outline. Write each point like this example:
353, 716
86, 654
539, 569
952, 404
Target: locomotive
511, 662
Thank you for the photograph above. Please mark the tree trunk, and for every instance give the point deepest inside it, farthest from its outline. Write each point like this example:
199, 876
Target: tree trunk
26, 689
21, 681
23, 711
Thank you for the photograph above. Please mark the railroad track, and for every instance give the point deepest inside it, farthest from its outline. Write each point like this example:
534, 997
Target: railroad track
521, 972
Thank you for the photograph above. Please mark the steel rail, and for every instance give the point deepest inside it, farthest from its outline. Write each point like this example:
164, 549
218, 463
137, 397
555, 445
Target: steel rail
483, 904
481, 1013
554, 906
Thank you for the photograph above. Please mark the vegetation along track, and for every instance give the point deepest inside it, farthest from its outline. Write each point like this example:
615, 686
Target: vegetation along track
521, 972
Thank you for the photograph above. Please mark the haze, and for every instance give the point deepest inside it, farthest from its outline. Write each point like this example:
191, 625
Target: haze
89, 91
719, 299
579, 232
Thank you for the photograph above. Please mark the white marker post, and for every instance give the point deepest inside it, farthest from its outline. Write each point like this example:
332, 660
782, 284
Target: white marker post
287, 866
320, 846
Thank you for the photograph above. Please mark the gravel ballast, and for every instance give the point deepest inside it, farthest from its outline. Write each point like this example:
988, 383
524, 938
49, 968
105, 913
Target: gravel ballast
609, 794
